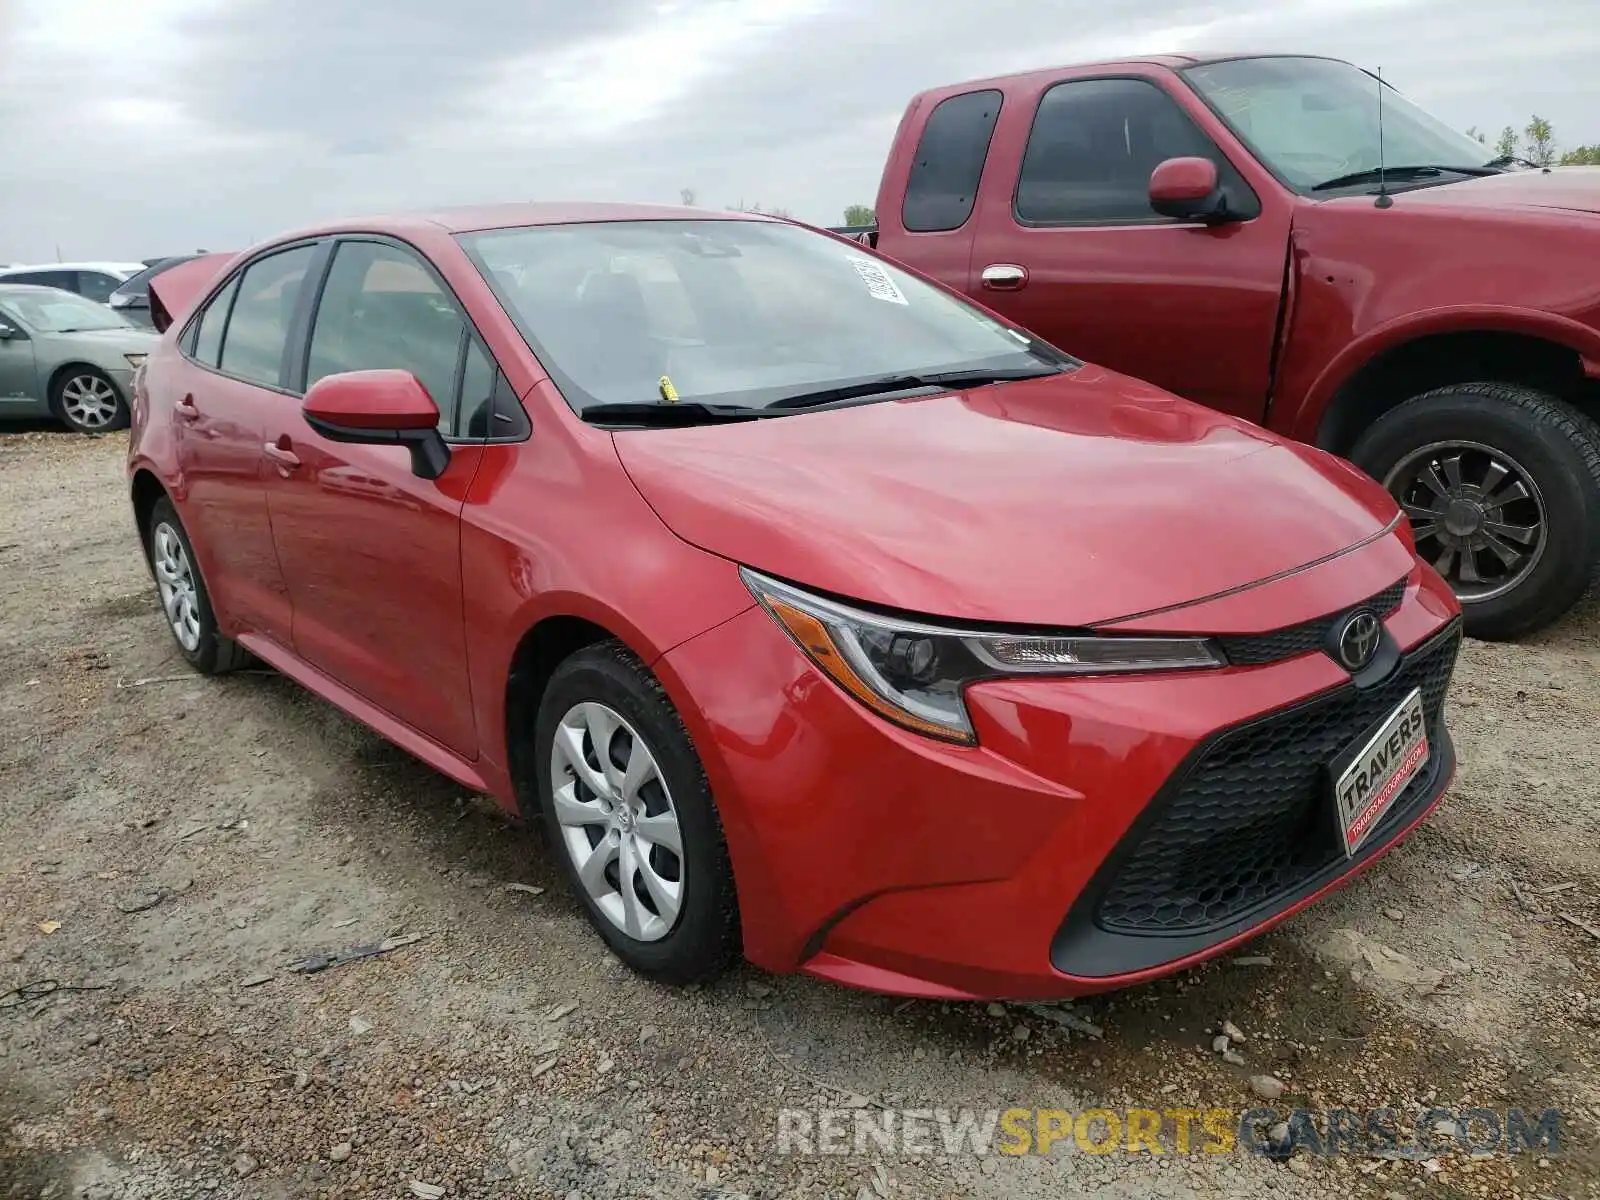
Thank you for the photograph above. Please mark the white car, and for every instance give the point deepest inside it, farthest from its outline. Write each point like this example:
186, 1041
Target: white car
93, 280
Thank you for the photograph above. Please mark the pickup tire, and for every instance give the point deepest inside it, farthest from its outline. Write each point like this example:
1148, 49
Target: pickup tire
1502, 486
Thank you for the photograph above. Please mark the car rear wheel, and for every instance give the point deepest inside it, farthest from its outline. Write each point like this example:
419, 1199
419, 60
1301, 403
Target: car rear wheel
1502, 487
185, 603
628, 812
87, 401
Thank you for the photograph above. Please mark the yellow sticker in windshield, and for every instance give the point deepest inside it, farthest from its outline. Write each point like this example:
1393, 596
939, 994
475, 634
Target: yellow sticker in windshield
669, 394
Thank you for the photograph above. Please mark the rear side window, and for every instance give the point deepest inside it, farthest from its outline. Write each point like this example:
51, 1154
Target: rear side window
97, 287
263, 310
1092, 149
382, 308
208, 330
949, 162
67, 280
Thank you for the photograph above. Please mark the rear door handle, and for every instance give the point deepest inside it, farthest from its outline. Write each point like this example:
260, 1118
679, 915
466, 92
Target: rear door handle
186, 409
280, 453
1004, 277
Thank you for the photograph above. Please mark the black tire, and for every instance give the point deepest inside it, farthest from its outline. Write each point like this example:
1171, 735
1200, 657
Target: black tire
705, 937
213, 654
58, 400
1554, 444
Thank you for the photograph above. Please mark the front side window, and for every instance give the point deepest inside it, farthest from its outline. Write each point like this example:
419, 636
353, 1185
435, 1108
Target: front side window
730, 312
1094, 145
381, 308
263, 309
948, 165
1314, 120
63, 312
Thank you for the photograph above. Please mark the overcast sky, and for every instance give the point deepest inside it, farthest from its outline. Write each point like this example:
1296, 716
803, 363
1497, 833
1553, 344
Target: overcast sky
133, 128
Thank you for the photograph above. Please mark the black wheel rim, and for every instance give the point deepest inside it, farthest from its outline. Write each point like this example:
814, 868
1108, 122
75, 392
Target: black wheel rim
1477, 513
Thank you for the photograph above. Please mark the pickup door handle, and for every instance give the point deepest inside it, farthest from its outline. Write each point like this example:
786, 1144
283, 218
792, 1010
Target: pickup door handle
186, 409
280, 453
1004, 277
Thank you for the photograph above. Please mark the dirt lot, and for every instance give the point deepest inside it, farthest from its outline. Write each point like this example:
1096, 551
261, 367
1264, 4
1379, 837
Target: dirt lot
174, 843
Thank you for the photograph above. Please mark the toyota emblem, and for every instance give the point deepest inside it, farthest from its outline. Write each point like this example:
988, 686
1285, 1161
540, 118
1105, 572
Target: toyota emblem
1358, 640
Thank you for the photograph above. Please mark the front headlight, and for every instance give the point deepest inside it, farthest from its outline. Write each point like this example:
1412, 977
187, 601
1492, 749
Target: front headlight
136, 360
914, 674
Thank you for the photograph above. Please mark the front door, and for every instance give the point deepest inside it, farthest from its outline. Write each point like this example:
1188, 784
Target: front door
19, 384
1067, 245
371, 552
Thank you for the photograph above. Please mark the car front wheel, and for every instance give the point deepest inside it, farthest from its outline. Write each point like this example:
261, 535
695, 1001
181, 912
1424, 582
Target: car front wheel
1502, 487
628, 812
88, 402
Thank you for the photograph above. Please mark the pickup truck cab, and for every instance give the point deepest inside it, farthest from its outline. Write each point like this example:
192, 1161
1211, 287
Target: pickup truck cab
1229, 228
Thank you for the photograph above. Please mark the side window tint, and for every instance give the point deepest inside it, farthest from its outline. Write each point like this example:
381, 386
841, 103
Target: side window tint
477, 391
263, 309
1092, 149
949, 162
97, 287
381, 308
208, 330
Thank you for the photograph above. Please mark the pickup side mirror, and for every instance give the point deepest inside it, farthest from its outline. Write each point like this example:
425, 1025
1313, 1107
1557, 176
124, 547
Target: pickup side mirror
1188, 189
380, 408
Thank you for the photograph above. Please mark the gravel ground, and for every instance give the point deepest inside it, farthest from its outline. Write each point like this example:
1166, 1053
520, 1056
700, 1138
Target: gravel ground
174, 843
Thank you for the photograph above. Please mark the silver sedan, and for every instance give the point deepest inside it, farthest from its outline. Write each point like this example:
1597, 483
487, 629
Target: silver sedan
67, 357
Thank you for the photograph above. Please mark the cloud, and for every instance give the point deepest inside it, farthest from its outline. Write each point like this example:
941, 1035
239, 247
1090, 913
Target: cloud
138, 128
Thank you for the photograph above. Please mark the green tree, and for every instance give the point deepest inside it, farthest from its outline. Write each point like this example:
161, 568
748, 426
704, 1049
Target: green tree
1582, 156
860, 214
1541, 141
1506, 145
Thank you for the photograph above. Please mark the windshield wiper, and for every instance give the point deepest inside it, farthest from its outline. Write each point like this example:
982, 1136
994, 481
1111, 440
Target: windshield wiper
1398, 175
661, 415
951, 380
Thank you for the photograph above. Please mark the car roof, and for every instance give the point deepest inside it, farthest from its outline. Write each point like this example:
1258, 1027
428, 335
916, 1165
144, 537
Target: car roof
30, 289
479, 218
1173, 62
115, 268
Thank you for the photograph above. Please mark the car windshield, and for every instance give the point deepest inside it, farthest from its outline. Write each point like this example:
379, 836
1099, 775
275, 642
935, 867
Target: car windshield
731, 312
61, 312
1312, 120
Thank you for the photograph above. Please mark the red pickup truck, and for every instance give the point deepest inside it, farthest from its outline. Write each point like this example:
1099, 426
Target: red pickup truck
1230, 228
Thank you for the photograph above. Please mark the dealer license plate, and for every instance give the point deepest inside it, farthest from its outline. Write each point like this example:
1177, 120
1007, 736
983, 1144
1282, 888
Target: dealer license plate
1368, 777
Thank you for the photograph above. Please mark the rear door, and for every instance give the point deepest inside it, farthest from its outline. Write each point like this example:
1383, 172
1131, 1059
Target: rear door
371, 552
1066, 243
230, 378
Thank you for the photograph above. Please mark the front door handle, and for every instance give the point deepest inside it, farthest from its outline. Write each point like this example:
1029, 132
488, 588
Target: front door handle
1004, 277
186, 409
280, 453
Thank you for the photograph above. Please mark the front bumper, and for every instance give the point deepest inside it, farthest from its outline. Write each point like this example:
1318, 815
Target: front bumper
875, 857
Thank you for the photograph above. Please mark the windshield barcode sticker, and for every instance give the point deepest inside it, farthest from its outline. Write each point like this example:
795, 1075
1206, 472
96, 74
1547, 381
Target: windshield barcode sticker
879, 285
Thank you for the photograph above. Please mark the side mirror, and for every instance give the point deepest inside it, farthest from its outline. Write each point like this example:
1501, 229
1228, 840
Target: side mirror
380, 408
7, 332
1188, 189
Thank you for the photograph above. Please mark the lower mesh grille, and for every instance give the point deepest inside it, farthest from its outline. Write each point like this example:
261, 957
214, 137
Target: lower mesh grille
1252, 817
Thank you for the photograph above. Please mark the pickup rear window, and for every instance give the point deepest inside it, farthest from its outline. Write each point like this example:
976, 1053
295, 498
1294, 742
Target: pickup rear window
949, 162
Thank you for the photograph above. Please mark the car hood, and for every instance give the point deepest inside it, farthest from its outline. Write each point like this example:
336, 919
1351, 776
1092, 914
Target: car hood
1576, 189
1069, 501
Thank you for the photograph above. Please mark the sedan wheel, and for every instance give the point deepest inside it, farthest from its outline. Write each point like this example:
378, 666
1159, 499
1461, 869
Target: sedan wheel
629, 815
90, 403
175, 581
618, 822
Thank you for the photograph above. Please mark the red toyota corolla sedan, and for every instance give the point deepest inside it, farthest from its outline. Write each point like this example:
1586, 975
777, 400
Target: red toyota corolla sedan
815, 612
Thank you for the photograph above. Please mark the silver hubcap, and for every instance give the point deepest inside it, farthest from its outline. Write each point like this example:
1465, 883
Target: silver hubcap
175, 579
1477, 514
89, 400
618, 821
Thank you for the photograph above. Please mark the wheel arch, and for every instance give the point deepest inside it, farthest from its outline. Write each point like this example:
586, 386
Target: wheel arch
59, 375
1415, 355
145, 491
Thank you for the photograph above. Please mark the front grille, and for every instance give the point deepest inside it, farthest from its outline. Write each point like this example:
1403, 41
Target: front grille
1252, 816
1253, 649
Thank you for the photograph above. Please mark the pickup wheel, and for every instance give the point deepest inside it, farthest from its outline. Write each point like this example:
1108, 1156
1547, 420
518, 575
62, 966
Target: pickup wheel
1502, 487
628, 812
